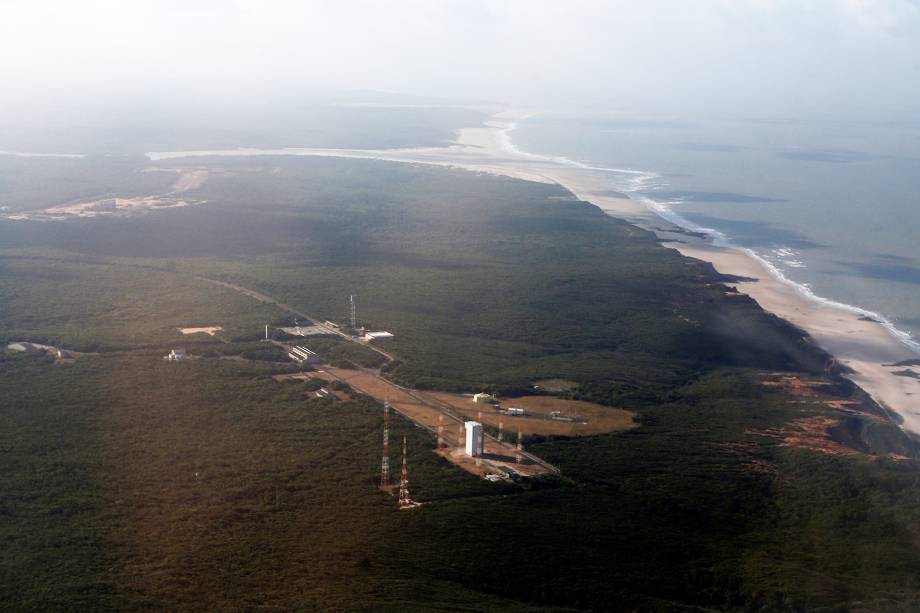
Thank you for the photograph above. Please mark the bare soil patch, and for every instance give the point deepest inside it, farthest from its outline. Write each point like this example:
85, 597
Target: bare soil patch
429, 411
586, 418
810, 433
211, 330
555, 385
190, 180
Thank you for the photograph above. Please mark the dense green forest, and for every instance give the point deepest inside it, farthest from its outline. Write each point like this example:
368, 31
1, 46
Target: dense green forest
131, 483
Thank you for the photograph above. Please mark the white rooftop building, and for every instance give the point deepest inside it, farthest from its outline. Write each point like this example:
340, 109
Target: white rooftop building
473, 438
483, 398
176, 354
371, 336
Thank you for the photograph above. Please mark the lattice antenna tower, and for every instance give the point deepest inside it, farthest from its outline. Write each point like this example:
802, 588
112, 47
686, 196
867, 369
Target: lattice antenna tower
385, 461
354, 315
404, 500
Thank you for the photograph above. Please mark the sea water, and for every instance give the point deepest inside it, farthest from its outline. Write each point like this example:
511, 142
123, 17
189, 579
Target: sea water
834, 206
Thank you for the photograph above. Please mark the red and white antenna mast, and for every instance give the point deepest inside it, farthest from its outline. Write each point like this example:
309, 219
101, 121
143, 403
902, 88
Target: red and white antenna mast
404, 501
353, 312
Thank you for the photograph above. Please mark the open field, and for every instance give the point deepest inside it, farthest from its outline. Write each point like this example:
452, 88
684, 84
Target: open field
434, 415
537, 421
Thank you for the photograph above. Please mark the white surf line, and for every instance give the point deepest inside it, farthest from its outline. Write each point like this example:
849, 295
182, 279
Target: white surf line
503, 129
719, 239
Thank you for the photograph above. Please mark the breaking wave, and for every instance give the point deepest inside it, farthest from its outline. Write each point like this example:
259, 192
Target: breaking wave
636, 184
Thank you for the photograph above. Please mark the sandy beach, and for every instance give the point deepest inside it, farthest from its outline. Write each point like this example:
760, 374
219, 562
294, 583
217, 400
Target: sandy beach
867, 347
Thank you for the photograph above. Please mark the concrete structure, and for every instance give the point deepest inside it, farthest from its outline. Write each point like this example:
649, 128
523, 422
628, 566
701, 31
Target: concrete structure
483, 398
176, 354
302, 355
473, 438
311, 330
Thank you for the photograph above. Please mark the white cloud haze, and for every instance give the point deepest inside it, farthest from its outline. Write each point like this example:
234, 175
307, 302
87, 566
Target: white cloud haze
743, 56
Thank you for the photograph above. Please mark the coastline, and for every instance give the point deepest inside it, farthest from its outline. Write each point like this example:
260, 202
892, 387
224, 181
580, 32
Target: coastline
866, 346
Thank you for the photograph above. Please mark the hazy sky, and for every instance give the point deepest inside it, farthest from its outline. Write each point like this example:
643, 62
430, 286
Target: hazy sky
745, 56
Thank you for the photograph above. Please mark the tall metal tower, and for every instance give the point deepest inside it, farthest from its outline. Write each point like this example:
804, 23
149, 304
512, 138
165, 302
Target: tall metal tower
404, 500
354, 316
520, 447
385, 462
440, 431
501, 432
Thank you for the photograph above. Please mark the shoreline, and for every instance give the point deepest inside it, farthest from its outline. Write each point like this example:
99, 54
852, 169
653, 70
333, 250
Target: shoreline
865, 343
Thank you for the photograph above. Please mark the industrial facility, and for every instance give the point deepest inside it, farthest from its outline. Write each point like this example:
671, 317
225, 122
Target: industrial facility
302, 355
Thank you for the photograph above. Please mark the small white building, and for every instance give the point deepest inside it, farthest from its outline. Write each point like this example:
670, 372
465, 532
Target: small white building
302, 355
176, 354
372, 336
473, 438
483, 398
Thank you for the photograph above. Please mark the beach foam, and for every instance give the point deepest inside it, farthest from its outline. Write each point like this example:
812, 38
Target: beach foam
867, 342
640, 181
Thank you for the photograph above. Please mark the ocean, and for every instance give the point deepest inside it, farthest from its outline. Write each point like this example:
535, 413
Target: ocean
832, 206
